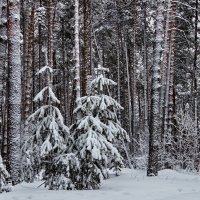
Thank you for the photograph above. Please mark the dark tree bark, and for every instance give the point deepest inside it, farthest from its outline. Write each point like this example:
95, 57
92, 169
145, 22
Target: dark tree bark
29, 66
50, 32
3, 74
14, 90
86, 69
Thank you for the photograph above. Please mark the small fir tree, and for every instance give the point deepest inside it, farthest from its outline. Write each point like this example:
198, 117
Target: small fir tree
4, 175
96, 132
47, 148
107, 113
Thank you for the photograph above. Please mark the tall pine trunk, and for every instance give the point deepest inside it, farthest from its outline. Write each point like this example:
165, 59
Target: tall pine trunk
3, 68
169, 107
164, 70
171, 65
29, 66
28, 107
14, 90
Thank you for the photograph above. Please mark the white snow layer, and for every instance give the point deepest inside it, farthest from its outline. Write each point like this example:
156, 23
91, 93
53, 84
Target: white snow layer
131, 185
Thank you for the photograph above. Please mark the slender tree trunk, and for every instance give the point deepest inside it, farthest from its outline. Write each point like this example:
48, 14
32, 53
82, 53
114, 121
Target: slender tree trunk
86, 69
124, 83
195, 78
25, 16
50, 32
29, 66
64, 68
171, 64
40, 51
164, 72
133, 81
14, 90
118, 74
145, 73
77, 50
28, 98
167, 112
155, 123
3, 67
129, 88
118, 62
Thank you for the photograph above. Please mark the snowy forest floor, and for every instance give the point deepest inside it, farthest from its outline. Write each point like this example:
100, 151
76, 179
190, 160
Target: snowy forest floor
131, 185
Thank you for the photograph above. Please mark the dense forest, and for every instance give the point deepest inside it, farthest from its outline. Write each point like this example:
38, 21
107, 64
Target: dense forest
92, 85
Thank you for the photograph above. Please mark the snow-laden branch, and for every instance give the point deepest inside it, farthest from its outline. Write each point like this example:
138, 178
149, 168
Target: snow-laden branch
45, 69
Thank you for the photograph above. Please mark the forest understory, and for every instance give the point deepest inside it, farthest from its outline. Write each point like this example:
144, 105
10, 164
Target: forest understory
93, 88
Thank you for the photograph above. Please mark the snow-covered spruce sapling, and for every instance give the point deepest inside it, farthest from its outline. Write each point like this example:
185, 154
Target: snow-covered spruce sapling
4, 175
95, 135
47, 147
93, 151
107, 113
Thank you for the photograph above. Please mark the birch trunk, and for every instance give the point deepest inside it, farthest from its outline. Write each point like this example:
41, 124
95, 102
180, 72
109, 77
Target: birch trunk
155, 123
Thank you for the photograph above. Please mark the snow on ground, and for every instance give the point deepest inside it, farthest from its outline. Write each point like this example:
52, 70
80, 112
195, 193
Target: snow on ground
131, 185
